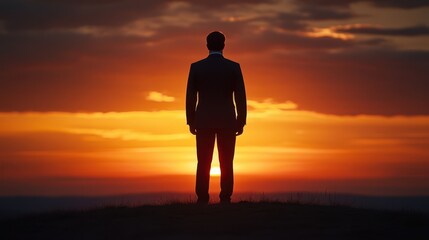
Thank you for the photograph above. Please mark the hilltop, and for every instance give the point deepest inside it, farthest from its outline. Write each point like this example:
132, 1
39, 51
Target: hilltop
243, 220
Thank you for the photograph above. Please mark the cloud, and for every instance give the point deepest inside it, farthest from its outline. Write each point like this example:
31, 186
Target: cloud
329, 32
27, 14
96, 63
291, 42
128, 135
159, 97
329, 3
73, 73
320, 12
19, 15
303, 15
418, 30
359, 81
407, 4
269, 104
98, 143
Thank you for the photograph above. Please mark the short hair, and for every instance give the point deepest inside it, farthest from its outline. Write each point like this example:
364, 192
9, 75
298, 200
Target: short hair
215, 41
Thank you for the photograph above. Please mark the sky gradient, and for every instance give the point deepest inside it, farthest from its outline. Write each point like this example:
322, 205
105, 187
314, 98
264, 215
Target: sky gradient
92, 95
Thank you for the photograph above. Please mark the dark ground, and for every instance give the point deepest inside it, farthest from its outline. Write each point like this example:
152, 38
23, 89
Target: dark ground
244, 220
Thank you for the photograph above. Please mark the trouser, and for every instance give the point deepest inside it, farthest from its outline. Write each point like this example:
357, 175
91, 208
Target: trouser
226, 146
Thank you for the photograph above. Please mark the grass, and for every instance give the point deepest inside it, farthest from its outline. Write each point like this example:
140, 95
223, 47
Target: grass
242, 220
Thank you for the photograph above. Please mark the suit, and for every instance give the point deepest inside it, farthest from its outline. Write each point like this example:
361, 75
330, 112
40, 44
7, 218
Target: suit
214, 84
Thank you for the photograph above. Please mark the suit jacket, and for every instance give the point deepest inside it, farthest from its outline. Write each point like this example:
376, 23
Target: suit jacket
214, 83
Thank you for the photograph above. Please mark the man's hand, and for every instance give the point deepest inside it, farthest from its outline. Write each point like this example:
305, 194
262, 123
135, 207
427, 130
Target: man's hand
239, 130
192, 129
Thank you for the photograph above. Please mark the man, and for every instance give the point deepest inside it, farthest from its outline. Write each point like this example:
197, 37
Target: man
214, 83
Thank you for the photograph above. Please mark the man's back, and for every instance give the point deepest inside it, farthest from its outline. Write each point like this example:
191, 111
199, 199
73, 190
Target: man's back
214, 84
214, 81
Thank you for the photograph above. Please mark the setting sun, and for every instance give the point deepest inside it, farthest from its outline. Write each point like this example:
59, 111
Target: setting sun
215, 171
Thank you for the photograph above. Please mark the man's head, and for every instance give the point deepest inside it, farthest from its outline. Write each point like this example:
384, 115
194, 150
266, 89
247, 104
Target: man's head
215, 41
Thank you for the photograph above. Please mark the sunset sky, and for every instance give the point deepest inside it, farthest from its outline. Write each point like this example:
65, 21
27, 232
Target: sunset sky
92, 95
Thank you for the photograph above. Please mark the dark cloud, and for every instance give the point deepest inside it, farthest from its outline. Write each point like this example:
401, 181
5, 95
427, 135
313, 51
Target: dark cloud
380, 82
374, 42
223, 3
316, 12
66, 70
299, 20
270, 40
405, 4
74, 72
290, 21
329, 3
28, 14
420, 30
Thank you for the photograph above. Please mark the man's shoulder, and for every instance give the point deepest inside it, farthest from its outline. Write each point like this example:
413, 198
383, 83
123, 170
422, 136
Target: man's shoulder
202, 61
229, 61
205, 61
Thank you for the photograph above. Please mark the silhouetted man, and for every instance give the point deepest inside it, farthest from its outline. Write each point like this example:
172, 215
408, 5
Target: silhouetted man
214, 83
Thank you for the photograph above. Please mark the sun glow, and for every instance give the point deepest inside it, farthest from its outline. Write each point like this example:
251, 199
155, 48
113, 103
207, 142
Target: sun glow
215, 171
329, 32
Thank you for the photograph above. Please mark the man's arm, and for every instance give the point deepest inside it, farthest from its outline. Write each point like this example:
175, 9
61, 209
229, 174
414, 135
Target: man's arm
240, 101
191, 101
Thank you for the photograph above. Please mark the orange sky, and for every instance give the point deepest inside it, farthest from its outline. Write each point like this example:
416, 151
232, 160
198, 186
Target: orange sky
278, 149
94, 104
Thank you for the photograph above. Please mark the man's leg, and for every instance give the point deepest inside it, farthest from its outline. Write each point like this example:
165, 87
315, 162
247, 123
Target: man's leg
205, 145
226, 147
